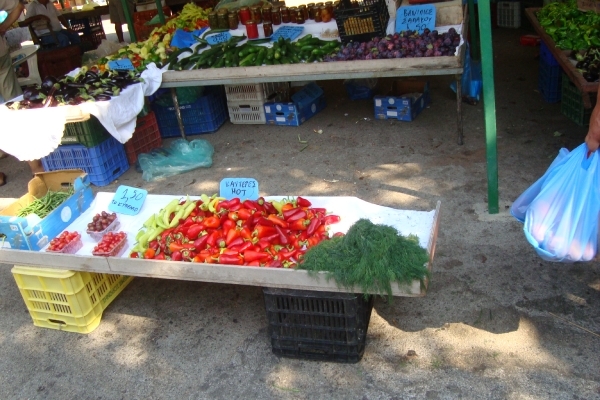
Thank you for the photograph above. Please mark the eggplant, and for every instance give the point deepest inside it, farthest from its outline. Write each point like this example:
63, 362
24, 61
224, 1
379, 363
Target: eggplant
48, 84
102, 97
32, 93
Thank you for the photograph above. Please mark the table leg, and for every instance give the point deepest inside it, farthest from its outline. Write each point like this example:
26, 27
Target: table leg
459, 123
178, 112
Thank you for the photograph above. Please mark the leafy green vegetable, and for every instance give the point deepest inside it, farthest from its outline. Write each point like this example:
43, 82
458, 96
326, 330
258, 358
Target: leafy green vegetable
369, 256
46, 204
570, 28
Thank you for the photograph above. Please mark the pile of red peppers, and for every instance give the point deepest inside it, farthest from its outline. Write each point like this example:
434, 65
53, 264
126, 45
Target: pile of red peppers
257, 233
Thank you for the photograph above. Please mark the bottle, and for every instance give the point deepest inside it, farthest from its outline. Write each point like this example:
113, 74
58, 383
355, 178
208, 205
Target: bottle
276, 15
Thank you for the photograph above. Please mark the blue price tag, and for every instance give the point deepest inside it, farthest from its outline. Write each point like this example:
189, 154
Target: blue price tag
218, 38
128, 200
244, 188
415, 18
121, 64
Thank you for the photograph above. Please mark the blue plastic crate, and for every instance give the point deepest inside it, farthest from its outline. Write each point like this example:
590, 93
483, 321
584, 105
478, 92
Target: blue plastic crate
546, 55
205, 115
549, 82
397, 105
307, 95
103, 163
289, 114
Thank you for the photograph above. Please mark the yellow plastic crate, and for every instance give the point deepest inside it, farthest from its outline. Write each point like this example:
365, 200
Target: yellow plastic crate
67, 300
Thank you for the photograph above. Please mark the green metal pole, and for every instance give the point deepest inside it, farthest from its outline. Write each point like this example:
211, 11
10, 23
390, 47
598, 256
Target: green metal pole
489, 103
161, 14
474, 42
129, 20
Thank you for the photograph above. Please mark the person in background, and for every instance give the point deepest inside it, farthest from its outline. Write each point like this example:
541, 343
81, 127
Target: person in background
593, 136
117, 16
65, 36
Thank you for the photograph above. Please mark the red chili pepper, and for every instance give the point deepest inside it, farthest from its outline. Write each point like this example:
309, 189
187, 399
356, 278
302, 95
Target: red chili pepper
211, 222
262, 231
252, 205
232, 215
246, 233
250, 256
231, 234
134, 255
263, 244
238, 241
221, 243
200, 243
193, 231
256, 217
241, 247
176, 256
189, 221
274, 264
160, 256
288, 213
282, 238
235, 207
299, 225
286, 255
331, 219
254, 263
298, 215
153, 245
173, 246
244, 214
287, 207
212, 238
312, 227
271, 238
313, 240
222, 205
149, 254
270, 208
187, 254
302, 202
227, 226
277, 221
230, 259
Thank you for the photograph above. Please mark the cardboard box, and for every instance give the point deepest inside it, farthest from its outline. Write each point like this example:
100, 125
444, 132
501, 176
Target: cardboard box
447, 12
290, 114
404, 101
33, 233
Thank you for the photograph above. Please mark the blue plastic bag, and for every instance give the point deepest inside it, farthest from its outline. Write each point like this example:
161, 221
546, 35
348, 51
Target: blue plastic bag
471, 82
521, 204
181, 156
561, 222
183, 38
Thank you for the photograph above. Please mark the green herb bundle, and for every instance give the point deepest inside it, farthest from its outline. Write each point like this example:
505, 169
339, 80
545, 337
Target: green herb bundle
46, 204
369, 256
570, 28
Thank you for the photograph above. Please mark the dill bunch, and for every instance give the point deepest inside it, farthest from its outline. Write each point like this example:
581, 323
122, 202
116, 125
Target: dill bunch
369, 256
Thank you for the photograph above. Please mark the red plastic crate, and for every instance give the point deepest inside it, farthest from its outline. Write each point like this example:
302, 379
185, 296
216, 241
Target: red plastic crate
145, 138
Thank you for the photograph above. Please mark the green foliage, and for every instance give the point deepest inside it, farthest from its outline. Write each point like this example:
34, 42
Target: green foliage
369, 256
570, 28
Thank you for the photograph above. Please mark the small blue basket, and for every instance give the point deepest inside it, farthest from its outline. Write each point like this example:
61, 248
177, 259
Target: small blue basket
205, 115
546, 55
549, 82
103, 163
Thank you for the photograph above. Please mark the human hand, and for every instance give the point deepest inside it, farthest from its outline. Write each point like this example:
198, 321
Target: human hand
593, 136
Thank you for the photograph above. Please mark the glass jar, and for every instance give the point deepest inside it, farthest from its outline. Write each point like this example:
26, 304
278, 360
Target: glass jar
325, 15
251, 29
293, 14
222, 16
268, 28
316, 12
233, 20
276, 16
267, 13
213, 20
255, 14
300, 18
244, 14
304, 11
285, 15
329, 5
320, 5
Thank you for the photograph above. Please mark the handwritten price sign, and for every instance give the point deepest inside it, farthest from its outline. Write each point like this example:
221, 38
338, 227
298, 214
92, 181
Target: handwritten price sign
123, 64
128, 200
244, 188
415, 18
218, 38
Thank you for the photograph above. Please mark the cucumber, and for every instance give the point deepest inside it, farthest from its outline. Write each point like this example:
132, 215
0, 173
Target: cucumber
277, 55
285, 60
248, 60
270, 53
307, 48
260, 57
305, 38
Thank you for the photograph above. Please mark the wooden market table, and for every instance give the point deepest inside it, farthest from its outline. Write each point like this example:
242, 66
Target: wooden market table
562, 57
402, 67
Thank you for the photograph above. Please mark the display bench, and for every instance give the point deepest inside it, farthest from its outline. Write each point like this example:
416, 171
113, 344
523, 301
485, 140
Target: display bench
562, 57
424, 224
397, 68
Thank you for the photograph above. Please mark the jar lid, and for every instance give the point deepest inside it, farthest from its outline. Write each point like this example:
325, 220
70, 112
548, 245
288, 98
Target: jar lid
267, 23
223, 11
244, 8
251, 22
275, 8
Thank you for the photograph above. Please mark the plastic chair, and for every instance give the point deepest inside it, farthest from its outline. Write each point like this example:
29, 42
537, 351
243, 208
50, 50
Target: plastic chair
34, 74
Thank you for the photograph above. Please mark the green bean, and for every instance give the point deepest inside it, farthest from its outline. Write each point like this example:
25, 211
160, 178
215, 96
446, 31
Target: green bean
46, 204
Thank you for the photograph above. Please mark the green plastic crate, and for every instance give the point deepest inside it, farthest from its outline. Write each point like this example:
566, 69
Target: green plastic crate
89, 133
571, 104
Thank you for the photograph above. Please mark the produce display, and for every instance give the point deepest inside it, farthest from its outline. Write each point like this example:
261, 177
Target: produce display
66, 242
46, 204
371, 257
570, 28
407, 44
111, 245
588, 63
213, 230
86, 85
101, 224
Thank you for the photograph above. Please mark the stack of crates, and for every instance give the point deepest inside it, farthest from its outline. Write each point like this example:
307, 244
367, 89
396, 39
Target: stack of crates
67, 300
203, 114
571, 105
87, 145
508, 14
318, 325
246, 102
145, 138
550, 73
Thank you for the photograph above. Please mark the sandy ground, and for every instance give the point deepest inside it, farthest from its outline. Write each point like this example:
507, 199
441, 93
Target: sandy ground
496, 323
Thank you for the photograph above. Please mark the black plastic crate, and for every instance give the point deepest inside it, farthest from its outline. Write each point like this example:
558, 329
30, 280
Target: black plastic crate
571, 104
318, 325
360, 21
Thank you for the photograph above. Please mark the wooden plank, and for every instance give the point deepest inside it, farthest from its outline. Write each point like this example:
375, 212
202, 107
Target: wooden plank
562, 56
217, 273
